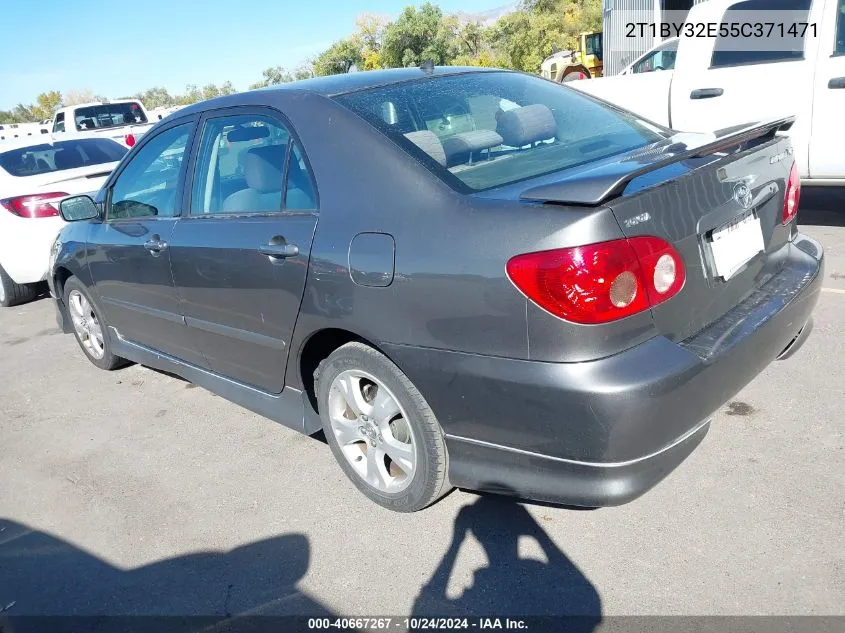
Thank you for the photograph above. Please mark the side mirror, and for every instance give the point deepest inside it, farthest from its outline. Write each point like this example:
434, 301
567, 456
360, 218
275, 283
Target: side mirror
78, 208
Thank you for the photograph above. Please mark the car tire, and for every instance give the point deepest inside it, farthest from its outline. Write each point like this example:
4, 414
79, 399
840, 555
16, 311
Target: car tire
388, 441
87, 322
13, 294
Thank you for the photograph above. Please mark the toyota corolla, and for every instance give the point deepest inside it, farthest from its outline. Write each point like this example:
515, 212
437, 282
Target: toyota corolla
464, 277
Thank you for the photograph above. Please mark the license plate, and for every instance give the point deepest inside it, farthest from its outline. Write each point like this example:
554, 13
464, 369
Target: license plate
734, 244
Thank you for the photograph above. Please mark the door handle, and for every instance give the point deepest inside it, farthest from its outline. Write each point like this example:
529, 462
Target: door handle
837, 83
155, 245
706, 93
279, 250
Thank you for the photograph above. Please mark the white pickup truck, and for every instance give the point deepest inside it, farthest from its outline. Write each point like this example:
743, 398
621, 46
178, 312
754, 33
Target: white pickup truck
704, 87
123, 121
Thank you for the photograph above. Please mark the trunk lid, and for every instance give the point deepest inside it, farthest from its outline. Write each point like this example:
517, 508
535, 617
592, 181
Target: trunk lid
717, 199
72, 181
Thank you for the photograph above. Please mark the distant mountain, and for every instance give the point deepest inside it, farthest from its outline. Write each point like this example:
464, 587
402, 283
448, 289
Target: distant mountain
489, 16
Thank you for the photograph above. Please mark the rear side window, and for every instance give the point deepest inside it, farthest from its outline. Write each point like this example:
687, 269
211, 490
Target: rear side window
46, 158
736, 50
840, 29
661, 59
487, 129
108, 115
240, 168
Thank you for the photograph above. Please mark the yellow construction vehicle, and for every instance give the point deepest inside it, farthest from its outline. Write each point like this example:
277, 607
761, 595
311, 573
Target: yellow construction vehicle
586, 62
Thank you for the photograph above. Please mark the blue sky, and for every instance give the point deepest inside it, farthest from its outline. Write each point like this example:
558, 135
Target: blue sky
118, 48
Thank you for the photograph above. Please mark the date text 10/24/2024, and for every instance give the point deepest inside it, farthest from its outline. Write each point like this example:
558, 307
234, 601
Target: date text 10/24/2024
417, 624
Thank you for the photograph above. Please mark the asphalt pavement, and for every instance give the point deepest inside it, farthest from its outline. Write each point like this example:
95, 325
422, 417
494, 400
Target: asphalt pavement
136, 492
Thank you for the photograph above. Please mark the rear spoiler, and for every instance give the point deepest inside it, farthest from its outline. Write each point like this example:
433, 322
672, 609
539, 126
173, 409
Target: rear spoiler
594, 187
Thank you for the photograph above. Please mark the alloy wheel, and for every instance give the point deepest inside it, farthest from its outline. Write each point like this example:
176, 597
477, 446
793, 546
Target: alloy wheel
372, 431
86, 324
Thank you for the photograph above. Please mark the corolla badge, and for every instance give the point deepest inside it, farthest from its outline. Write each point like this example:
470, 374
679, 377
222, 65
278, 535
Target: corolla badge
742, 194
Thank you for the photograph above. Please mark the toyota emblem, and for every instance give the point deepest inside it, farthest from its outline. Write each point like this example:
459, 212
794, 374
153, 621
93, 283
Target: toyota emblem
742, 194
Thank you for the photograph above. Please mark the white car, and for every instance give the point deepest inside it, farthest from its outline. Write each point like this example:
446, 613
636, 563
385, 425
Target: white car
34, 177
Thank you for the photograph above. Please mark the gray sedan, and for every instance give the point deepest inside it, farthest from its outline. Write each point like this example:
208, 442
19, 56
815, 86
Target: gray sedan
463, 277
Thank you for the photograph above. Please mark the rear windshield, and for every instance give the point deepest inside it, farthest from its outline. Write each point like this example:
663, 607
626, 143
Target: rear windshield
46, 158
108, 115
484, 130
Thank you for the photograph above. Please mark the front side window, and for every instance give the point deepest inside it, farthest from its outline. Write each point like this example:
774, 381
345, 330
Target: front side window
593, 45
840, 29
59, 126
735, 50
108, 115
487, 129
149, 185
241, 168
61, 155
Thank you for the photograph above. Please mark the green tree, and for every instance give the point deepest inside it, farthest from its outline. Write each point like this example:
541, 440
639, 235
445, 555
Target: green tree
226, 88
156, 97
370, 33
11, 116
370, 29
273, 76
526, 37
209, 91
340, 57
45, 105
191, 95
416, 36
304, 71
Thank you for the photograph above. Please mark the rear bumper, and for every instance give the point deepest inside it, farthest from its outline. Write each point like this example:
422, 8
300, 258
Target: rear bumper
25, 251
604, 432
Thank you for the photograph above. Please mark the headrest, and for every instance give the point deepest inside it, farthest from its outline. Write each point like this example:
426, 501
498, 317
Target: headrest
263, 168
428, 142
248, 133
526, 125
474, 141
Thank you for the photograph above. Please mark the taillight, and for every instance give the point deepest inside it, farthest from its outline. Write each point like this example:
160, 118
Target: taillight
793, 194
42, 205
600, 282
129, 140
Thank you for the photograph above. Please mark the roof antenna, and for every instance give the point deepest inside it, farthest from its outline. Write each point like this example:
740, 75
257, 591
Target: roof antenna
427, 66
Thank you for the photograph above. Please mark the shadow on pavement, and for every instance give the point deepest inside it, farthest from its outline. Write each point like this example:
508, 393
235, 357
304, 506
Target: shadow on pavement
41, 575
822, 206
509, 585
